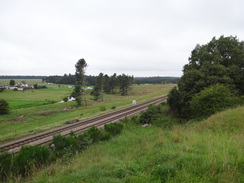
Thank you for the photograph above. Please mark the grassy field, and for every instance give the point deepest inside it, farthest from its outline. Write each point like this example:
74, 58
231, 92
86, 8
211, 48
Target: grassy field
29, 115
28, 81
207, 151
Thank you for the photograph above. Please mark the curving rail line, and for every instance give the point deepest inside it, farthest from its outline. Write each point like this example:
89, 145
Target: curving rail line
45, 137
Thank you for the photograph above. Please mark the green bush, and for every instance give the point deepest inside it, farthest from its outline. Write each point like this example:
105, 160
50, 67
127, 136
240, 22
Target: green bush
151, 114
105, 136
65, 99
102, 108
211, 100
94, 134
62, 142
28, 158
113, 107
113, 128
4, 107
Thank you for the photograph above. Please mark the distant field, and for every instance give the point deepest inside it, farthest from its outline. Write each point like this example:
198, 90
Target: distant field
28, 81
38, 117
19, 99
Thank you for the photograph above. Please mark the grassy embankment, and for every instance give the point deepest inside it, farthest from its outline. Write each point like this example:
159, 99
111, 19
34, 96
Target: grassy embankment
208, 151
35, 117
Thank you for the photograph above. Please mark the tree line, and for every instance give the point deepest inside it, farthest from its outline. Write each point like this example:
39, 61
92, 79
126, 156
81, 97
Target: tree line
91, 80
21, 77
156, 80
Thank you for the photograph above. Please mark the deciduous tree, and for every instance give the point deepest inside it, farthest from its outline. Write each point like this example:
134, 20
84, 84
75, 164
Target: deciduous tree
221, 61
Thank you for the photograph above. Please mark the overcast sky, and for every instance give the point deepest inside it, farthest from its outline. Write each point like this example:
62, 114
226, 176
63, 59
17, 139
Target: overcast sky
135, 37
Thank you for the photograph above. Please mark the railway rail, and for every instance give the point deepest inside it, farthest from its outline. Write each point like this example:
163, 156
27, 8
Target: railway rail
46, 137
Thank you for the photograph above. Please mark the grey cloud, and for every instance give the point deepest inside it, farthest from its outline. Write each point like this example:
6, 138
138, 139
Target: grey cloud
135, 37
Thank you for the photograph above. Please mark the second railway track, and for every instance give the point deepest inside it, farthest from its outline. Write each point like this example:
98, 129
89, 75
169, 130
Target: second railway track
46, 137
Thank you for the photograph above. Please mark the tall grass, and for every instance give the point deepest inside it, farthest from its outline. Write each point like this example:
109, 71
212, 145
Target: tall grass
196, 152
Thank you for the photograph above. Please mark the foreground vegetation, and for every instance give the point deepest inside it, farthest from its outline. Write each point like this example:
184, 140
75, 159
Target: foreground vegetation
29, 116
168, 151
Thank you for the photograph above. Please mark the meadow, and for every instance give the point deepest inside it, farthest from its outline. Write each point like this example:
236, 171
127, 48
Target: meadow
198, 151
34, 111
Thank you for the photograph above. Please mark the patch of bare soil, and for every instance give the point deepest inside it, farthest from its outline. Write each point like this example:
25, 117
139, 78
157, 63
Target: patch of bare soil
67, 109
46, 114
20, 117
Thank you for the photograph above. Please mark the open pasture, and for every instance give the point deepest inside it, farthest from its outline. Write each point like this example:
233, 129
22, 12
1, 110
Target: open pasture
36, 117
28, 81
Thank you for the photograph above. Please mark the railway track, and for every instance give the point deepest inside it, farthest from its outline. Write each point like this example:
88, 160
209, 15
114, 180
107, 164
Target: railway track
45, 137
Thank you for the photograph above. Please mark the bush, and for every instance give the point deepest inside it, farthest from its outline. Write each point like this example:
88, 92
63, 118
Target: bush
151, 114
174, 100
102, 108
62, 142
65, 99
4, 107
211, 100
113, 107
29, 157
94, 134
105, 136
113, 128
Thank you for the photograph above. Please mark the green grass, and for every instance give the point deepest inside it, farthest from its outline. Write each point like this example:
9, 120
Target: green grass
38, 117
207, 151
28, 81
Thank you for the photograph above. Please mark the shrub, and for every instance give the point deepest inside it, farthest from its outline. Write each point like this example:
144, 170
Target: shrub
212, 99
4, 107
102, 108
113, 128
174, 100
94, 134
29, 157
105, 136
152, 113
65, 99
62, 142
113, 107
83, 141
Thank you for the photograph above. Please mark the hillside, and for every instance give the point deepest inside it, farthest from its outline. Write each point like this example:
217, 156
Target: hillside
207, 151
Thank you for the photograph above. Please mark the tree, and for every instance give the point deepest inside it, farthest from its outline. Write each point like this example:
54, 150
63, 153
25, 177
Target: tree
97, 91
221, 61
12, 82
79, 91
4, 107
124, 83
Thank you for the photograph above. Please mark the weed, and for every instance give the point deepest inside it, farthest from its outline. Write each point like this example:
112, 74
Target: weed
102, 108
